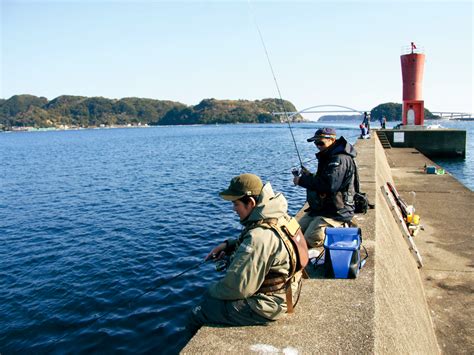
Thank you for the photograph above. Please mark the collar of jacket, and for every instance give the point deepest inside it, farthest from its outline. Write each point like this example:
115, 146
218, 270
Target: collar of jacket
269, 205
340, 146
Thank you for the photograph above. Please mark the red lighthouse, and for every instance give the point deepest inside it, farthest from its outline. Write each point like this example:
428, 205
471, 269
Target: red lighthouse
413, 112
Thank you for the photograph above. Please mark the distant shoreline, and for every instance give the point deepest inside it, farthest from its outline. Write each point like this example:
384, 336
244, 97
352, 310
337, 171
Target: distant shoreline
49, 129
73, 128
323, 119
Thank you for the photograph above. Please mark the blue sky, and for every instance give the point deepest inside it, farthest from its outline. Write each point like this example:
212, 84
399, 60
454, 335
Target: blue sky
323, 52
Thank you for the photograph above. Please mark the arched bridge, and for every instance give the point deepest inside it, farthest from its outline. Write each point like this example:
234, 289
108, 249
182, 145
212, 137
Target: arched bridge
317, 109
346, 109
464, 116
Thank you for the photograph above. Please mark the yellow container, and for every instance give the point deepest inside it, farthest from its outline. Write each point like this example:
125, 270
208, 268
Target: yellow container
416, 219
413, 218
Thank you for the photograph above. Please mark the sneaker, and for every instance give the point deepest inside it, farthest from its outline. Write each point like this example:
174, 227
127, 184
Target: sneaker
313, 253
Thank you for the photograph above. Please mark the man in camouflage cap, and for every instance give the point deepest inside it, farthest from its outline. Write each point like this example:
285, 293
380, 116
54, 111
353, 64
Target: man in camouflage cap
240, 297
330, 191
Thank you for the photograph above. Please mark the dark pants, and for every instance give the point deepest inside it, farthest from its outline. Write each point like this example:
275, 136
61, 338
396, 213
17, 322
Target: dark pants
212, 311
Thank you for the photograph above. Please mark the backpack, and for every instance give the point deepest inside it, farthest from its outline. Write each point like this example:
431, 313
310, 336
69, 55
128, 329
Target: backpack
293, 239
361, 201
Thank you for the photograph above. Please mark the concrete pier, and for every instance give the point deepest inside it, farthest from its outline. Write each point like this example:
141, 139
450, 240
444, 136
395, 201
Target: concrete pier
439, 143
392, 307
446, 244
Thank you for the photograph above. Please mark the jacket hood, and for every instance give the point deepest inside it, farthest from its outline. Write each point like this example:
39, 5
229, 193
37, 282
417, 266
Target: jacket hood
269, 205
340, 146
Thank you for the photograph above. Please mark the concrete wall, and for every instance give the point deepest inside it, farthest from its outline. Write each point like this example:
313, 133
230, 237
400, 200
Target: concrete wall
431, 142
403, 323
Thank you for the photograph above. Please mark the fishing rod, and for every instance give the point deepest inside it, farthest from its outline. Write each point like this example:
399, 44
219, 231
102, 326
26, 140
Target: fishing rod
304, 162
286, 170
276, 82
148, 290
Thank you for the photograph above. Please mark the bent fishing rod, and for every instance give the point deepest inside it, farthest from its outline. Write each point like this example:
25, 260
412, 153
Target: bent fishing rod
133, 300
276, 82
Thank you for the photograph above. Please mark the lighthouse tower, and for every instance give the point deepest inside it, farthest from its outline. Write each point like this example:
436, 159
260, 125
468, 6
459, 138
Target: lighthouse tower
413, 112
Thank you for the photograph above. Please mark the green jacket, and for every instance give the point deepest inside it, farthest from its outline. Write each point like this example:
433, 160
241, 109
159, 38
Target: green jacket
258, 251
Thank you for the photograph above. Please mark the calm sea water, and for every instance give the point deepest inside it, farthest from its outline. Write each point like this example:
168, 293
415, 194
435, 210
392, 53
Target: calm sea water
461, 169
94, 222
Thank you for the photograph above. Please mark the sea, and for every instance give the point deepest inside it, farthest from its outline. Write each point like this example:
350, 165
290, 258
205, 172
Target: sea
103, 231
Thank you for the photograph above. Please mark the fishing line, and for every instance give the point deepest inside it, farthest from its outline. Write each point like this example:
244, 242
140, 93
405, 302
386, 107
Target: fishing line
309, 160
286, 170
130, 302
276, 82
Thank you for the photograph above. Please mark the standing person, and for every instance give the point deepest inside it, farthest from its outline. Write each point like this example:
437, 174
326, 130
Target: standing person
330, 191
365, 127
366, 122
262, 281
384, 122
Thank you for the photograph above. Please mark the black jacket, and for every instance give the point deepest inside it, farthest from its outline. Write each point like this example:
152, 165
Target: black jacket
330, 191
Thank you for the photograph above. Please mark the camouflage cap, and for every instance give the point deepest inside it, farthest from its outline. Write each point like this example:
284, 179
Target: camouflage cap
242, 185
323, 133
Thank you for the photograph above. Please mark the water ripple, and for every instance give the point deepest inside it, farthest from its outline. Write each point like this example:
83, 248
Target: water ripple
96, 224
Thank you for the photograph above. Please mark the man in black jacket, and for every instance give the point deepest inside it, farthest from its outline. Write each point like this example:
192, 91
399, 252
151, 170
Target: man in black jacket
330, 191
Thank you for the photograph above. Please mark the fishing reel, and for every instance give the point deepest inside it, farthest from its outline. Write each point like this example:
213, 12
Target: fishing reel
302, 171
222, 263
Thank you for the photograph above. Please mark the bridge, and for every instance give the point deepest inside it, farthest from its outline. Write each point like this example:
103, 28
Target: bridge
455, 115
317, 109
345, 109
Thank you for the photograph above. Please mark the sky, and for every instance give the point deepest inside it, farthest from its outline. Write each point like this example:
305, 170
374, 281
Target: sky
322, 52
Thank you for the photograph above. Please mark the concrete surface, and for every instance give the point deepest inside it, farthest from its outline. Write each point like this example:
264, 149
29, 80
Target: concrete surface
446, 245
386, 309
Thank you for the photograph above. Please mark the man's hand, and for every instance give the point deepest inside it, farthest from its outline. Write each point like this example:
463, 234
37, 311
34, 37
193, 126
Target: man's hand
297, 174
218, 252
305, 171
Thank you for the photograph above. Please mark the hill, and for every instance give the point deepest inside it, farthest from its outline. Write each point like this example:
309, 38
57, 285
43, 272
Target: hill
393, 112
81, 111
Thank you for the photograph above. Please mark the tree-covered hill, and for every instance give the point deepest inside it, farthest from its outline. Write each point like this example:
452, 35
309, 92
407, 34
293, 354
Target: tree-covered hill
80, 111
393, 112
227, 111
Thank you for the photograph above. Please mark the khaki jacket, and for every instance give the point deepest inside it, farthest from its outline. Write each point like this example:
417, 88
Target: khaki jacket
258, 251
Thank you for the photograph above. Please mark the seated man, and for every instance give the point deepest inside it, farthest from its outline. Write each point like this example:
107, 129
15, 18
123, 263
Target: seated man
261, 282
330, 191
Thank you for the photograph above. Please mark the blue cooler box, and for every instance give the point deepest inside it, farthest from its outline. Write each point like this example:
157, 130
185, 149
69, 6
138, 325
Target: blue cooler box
342, 252
431, 169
